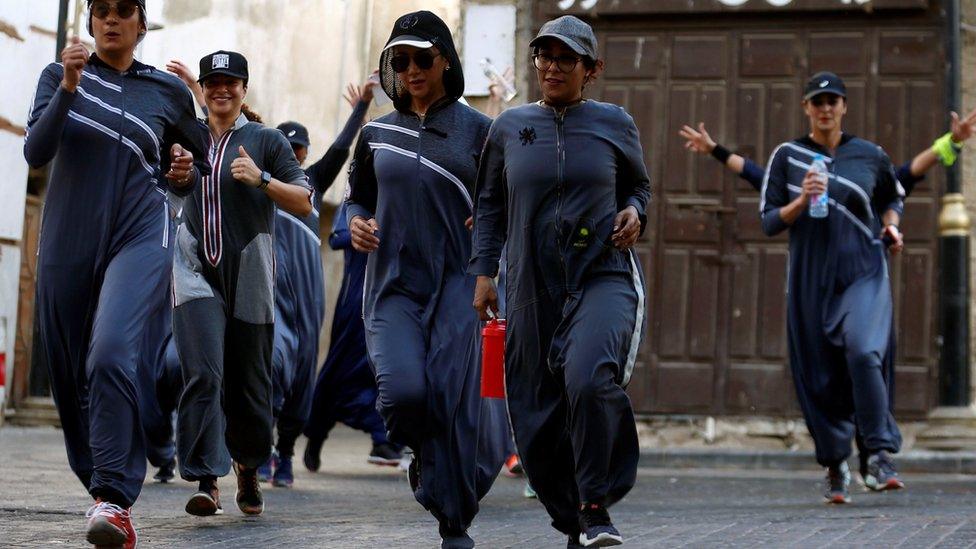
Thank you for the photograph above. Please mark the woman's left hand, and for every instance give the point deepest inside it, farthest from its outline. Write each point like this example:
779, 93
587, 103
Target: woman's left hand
896, 237
245, 170
626, 228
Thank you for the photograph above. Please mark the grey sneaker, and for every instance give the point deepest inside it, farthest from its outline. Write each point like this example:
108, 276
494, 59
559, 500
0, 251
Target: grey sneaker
838, 480
882, 474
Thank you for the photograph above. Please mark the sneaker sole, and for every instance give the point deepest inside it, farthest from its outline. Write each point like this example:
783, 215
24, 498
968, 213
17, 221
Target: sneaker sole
282, 484
383, 461
892, 484
253, 511
200, 505
602, 540
837, 500
105, 534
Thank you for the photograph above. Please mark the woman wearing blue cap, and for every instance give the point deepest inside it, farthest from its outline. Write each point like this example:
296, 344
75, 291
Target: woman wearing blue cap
563, 189
109, 125
223, 291
410, 186
840, 309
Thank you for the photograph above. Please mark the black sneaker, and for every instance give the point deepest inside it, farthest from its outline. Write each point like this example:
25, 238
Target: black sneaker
312, 457
455, 539
838, 480
882, 474
596, 528
248, 496
206, 502
166, 472
384, 454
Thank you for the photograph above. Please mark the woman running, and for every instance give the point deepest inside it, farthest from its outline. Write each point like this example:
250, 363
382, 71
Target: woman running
223, 287
840, 308
111, 125
410, 193
563, 188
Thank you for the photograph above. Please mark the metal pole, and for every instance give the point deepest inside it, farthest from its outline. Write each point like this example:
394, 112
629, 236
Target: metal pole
62, 29
954, 223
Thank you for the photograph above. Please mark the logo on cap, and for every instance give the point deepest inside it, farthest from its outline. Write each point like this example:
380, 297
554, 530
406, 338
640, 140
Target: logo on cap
409, 22
221, 61
825, 83
292, 133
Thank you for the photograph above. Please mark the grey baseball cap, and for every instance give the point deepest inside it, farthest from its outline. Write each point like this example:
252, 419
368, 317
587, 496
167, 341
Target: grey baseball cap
571, 31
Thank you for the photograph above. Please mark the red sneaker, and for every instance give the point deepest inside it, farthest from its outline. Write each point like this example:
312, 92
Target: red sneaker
513, 467
110, 526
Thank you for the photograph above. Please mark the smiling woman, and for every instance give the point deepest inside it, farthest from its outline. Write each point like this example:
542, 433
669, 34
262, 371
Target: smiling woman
119, 134
223, 289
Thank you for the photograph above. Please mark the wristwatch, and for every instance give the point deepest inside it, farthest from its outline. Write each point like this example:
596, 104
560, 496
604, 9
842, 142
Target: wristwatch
265, 180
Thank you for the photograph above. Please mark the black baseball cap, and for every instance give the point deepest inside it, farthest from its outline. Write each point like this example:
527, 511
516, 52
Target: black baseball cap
229, 63
824, 82
295, 133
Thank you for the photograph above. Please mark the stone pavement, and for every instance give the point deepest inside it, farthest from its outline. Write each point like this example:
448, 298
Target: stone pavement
353, 504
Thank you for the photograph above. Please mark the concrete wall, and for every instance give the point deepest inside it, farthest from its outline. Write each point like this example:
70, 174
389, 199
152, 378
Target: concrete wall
27, 41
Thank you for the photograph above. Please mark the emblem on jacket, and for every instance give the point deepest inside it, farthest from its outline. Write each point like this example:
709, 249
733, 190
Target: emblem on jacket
527, 135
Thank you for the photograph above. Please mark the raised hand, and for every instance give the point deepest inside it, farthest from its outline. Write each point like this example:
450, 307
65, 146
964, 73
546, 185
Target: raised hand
698, 141
74, 58
354, 94
963, 129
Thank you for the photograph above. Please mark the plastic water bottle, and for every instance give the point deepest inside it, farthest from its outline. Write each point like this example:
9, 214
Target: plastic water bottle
818, 203
495, 77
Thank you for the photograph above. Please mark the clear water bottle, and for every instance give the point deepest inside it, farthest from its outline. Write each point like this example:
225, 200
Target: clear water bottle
818, 203
495, 77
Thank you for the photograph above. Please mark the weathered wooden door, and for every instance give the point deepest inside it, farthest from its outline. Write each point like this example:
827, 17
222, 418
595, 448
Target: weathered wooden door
716, 343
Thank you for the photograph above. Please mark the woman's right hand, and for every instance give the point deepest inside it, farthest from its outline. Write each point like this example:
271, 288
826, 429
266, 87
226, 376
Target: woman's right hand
363, 233
813, 185
74, 57
485, 297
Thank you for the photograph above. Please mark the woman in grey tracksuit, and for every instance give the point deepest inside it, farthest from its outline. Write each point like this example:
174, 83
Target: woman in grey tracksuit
563, 187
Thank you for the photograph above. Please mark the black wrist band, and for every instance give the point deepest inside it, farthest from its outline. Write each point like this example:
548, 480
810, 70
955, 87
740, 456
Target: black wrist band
721, 154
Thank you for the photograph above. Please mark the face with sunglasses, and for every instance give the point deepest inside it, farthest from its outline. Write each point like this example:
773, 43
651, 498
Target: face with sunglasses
826, 112
421, 72
116, 25
562, 72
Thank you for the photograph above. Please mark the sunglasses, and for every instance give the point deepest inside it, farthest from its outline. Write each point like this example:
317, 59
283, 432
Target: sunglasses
822, 100
424, 59
565, 63
124, 10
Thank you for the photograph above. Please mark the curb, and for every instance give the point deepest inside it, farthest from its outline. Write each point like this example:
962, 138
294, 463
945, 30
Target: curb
912, 461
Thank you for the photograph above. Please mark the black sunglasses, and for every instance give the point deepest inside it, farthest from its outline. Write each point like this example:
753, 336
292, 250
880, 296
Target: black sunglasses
424, 59
565, 63
821, 100
124, 10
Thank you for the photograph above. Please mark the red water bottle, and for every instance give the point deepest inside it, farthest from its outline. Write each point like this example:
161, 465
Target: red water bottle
493, 359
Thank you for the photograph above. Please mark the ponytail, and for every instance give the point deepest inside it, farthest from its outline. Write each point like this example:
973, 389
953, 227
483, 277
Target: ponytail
250, 115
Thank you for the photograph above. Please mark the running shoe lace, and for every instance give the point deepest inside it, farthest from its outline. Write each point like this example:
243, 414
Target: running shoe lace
106, 509
594, 515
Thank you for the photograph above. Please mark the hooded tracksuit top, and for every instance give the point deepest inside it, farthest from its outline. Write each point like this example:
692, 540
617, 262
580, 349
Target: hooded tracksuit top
105, 252
549, 188
223, 289
840, 310
417, 177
